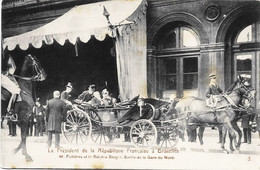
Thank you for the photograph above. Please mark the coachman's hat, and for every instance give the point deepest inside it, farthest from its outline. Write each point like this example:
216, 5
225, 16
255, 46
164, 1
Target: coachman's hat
69, 85
212, 76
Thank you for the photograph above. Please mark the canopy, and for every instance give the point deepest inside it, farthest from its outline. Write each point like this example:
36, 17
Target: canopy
84, 21
80, 22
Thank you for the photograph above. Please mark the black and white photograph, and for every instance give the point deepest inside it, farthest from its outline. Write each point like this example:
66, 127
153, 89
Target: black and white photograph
130, 84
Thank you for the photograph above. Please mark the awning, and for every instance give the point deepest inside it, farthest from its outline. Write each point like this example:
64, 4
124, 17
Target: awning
80, 22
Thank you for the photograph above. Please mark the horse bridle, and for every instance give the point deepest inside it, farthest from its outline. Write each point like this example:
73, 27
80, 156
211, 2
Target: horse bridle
38, 76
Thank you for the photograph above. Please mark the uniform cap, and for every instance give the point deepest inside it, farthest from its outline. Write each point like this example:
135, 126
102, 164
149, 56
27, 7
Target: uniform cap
69, 85
212, 76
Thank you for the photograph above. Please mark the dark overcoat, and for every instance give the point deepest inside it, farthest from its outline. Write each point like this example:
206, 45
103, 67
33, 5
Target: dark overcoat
55, 114
245, 121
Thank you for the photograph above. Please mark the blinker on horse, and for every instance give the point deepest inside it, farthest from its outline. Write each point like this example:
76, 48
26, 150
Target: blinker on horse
195, 110
31, 71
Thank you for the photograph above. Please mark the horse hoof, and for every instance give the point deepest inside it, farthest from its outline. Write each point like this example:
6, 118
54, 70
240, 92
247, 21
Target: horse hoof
238, 148
28, 159
225, 151
15, 151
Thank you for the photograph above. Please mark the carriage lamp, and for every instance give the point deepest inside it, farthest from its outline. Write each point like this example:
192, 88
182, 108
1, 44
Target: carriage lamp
106, 14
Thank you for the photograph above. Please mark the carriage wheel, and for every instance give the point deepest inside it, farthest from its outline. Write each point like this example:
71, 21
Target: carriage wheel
102, 135
143, 133
78, 127
167, 137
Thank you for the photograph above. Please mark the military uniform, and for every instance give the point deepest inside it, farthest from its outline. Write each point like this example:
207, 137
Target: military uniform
212, 92
39, 114
213, 89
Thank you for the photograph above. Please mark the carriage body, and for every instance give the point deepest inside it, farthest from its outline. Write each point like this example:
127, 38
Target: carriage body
144, 124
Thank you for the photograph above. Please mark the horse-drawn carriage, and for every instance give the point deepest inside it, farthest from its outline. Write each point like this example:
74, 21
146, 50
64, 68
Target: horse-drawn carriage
149, 121
142, 120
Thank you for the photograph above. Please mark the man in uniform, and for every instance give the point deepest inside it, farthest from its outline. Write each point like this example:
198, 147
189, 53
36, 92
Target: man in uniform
87, 95
65, 95
10, 85
55, 115
39, 114
212, 92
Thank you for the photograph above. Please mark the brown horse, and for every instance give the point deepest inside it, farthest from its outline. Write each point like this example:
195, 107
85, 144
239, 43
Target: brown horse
31, 71
195, 110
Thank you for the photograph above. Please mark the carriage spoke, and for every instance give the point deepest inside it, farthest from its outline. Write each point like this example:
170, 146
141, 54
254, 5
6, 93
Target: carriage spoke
76, 137
137, 129
69, 121
101, 139
170, 142
81, 136
105, 139
72, 138
97, 138
68, 125
71, 118
83, 120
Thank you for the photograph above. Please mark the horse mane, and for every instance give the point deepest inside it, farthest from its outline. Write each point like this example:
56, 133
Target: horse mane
27, 86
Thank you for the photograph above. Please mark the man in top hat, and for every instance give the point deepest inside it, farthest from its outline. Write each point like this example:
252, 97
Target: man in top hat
87, 95
65, 95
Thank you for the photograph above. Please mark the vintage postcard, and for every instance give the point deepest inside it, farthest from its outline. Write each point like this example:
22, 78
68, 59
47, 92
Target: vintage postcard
130, 84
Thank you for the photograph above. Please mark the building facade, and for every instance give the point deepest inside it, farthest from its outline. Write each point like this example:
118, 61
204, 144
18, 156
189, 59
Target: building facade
186, 40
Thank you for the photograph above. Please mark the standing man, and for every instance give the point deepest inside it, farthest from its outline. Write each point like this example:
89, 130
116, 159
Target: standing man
39, 114
212, 92
55, 115
65, 95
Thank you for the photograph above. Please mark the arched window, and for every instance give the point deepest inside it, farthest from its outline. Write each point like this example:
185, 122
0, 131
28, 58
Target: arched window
178, 56
245, 35
246, 54
179, 37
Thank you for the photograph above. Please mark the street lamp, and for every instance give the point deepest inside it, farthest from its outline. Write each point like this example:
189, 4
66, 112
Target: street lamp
106, 14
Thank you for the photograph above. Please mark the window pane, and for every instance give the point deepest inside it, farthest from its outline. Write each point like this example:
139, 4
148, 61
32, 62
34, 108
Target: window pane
190, 65
189, 40
244, 62
170, 66
190, 81
245, 35
170, 41
170, 82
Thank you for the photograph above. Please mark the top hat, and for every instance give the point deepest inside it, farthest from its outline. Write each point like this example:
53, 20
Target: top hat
212, 76
69, 85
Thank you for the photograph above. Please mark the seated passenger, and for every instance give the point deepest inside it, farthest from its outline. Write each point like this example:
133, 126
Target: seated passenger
96, 100
107, 99
87, 95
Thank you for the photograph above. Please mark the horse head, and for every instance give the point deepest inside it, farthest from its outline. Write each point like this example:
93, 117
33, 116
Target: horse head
32, 68
246, 91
